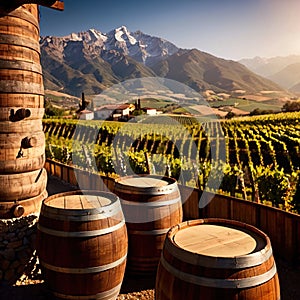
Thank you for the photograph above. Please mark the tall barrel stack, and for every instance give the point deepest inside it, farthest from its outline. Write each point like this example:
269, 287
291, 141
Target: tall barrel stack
22, 143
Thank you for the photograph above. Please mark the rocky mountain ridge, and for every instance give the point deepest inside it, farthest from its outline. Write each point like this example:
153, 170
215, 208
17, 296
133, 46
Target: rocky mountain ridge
91, 61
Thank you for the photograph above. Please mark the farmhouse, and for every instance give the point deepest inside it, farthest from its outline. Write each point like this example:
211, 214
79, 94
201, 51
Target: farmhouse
86, 114
113, 112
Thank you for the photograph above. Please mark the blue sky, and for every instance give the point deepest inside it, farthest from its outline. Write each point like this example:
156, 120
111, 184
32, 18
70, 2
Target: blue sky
232, 29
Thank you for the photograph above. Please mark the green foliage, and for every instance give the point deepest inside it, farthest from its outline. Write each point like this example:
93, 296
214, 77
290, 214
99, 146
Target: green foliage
52, 111
260, 152
276, 186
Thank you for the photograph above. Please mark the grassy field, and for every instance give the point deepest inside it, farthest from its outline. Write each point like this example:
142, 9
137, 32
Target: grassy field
250, 105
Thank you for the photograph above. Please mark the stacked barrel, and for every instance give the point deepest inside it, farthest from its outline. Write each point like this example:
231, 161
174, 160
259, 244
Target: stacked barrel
22, 143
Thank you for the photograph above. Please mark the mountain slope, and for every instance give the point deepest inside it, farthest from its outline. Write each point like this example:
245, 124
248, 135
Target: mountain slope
80, 63
282, 70
91, 61
269, 66
202, 71
288, 77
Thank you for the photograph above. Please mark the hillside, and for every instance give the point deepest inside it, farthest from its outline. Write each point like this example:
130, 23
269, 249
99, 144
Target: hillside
284, 70
289, 77
203, 71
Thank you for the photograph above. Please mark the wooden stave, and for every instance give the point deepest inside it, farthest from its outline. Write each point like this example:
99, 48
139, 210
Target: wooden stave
16, 187
20, 76
21, 126
193, 274
10, 52
22, 165
148, 236
20, 100
60, 278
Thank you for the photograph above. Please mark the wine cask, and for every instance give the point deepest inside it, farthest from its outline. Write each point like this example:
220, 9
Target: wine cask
151, 205
217, 259
88, 232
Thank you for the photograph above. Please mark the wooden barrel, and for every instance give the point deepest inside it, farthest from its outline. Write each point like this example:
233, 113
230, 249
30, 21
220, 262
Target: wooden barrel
20, 186
22, 152
18, 208
216, 259
151, 205
82, 245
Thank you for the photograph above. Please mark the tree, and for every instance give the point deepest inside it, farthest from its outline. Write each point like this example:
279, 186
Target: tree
230, 115
291, 106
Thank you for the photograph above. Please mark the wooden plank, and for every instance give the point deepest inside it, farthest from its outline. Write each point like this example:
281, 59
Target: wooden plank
58, 5
47, 165
65, 173
52, 169
72, 176
243, 211
190, 202
58, 171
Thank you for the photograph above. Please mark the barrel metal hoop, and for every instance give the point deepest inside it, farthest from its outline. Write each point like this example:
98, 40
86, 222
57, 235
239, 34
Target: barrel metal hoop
19, 41
83, 214
240, 262
148, 232
82, 218
84, 270
20, 65
79, 234
240, 283
151, 204
10, 86
153, 191
107, 295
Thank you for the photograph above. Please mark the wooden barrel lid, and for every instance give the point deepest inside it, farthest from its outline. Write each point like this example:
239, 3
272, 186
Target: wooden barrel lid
217, 241
143, 182
145, 185
79, 202
82, 206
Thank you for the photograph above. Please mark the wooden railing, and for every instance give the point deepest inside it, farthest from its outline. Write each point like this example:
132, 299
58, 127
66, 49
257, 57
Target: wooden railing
282, 227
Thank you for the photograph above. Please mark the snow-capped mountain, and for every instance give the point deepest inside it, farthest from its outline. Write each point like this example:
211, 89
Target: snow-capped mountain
143, 48
91, 61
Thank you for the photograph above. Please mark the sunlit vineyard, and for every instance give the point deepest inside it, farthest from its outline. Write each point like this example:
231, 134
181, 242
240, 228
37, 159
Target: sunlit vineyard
256, 158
